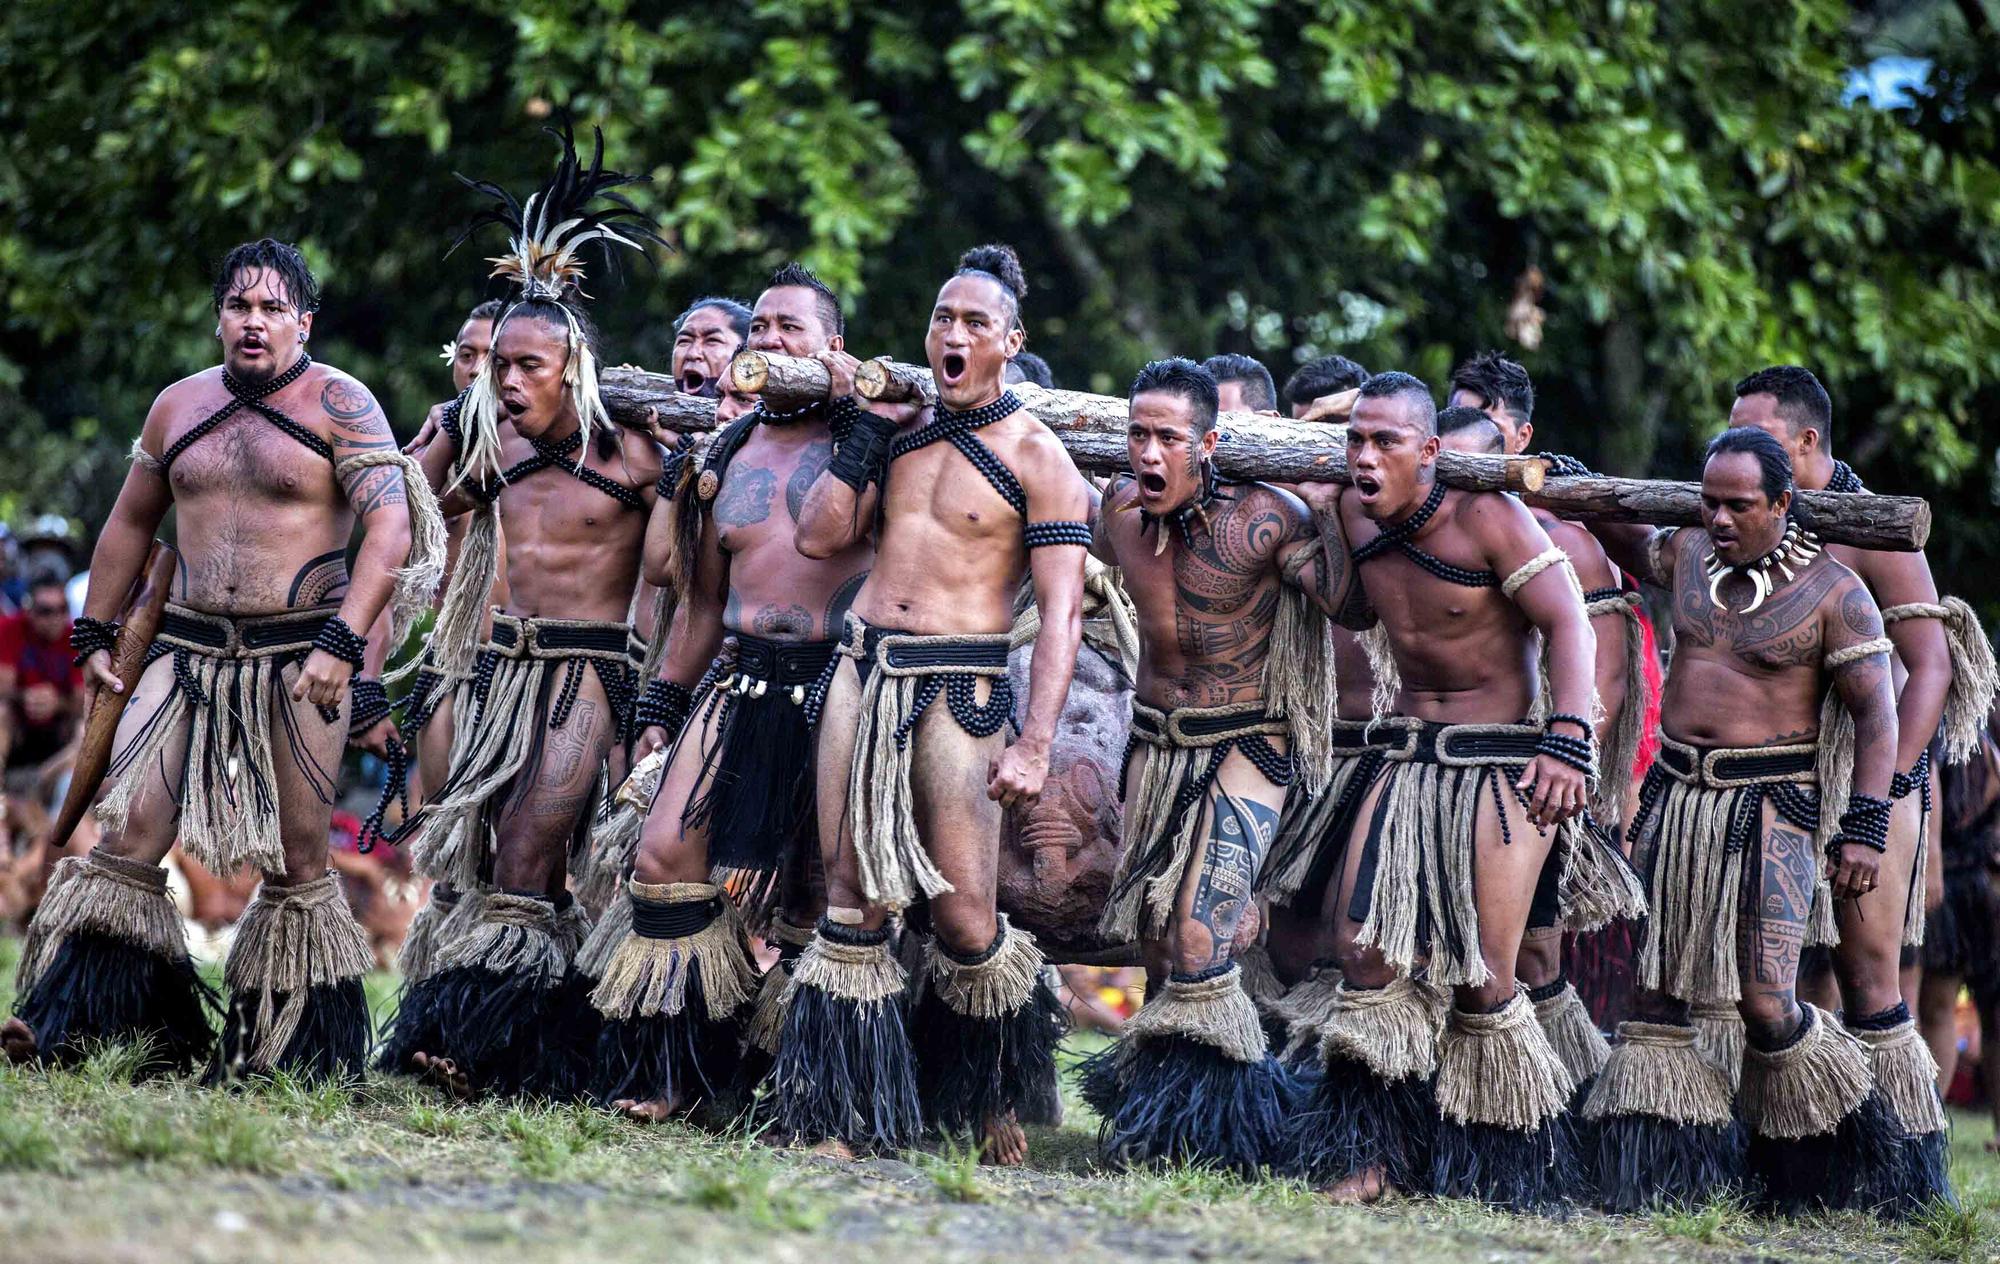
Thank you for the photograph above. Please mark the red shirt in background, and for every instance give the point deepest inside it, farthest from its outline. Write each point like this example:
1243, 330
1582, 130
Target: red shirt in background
36, 663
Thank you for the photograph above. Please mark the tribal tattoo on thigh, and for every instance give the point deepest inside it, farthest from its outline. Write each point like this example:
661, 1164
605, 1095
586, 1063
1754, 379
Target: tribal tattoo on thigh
1239, 831
1777, 933
571, 747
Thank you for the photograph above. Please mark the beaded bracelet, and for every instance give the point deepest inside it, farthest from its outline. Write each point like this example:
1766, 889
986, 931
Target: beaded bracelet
88, 635
370, 708
664, 704
670, 475
1866, 821
1561, 717
1579, 753
341, 641
1903, 783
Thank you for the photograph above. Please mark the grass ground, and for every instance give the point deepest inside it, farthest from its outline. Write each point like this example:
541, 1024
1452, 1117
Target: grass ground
96, 1168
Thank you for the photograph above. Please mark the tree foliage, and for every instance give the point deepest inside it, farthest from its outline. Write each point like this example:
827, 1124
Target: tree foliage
1285, 177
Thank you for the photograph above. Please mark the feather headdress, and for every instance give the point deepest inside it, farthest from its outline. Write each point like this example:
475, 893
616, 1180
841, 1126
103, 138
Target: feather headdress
544, 261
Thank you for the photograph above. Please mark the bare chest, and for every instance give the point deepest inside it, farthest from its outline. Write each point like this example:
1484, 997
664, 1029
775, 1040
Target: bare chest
764, 491
553, 508
939, 483
1725, 620
246, 456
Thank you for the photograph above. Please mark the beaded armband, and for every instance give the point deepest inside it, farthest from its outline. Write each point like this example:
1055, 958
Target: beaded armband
1037, 535
1579, 753
862, 459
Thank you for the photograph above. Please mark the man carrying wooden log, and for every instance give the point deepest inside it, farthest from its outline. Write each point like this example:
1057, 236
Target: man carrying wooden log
553, 685
732, 823
1779, 741
1233, 701
1585, 891
914, 765
1947, 670
1449, 843
232, 738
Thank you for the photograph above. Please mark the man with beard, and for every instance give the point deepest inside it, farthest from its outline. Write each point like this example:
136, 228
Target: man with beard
1778, 746
232, 739
1452, 835
756, 629
911, 793
1946, 664
1233, 700
553, 685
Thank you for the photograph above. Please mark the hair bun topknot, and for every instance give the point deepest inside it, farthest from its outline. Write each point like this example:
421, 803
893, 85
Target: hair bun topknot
998, 261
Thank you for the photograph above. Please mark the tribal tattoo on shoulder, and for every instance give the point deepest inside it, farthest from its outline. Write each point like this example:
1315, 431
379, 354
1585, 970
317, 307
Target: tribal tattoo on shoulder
1783, 632
360, 428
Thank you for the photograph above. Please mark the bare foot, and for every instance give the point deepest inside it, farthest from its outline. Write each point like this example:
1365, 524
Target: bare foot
17, 1041
1003, 1144
1362, 1187
656, 1111
443, 1073
833, 1148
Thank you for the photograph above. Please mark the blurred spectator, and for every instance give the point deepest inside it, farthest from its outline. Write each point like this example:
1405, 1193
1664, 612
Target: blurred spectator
1029, 367
49, 547
13, 585
41, 692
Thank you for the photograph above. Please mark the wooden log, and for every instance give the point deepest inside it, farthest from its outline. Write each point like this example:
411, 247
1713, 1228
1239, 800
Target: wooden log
785, 383
1276, 450
893, 382
139, 622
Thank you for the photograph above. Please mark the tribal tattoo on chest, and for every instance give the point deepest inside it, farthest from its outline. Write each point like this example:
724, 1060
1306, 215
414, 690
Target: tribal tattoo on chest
1782, 632
746, 496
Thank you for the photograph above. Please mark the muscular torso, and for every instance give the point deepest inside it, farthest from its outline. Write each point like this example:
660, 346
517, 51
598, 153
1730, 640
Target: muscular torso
948, 556
775, 592
262, 525
1205, 612
572, 551
1748, 679
1465, 655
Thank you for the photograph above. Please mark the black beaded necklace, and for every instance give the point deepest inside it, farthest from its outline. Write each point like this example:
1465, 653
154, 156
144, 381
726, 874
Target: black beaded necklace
957, 429
1212, 492
1845, 479
1398, 536
252, 396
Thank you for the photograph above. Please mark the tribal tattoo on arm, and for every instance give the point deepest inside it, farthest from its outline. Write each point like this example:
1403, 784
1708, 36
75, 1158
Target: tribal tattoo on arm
359, 428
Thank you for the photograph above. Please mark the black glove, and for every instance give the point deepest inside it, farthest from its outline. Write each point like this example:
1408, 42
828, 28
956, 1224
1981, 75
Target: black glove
863, 458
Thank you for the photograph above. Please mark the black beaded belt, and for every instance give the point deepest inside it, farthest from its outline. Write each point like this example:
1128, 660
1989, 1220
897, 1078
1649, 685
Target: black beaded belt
1723, 767
239, 636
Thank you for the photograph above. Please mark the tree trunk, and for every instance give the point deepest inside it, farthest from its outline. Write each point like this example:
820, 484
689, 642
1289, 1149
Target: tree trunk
1274, 450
